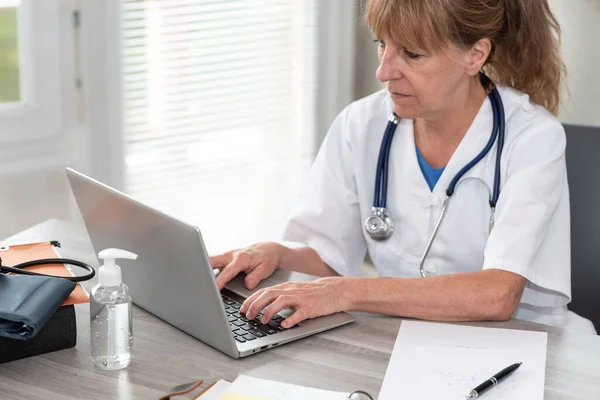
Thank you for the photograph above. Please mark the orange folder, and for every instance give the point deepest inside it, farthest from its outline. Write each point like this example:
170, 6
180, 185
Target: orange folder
20, 253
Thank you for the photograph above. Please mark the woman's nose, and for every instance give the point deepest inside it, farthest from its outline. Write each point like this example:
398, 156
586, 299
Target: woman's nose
389, 67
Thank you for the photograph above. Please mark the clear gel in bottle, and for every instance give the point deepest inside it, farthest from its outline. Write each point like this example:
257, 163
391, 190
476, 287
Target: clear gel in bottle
110, 314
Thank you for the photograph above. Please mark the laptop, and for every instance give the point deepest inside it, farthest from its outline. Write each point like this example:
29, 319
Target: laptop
173, 278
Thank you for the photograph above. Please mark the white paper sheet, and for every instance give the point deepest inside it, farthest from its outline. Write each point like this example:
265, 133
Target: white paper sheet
248, 388
443, 361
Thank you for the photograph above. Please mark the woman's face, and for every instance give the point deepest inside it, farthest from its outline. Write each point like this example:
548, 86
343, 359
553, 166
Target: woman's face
420, 84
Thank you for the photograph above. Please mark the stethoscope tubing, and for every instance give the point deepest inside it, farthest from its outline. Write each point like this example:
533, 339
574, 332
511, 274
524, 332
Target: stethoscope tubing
18, 269
380, 197
501, 136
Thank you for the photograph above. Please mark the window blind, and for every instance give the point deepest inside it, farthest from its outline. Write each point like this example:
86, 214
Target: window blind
219, 111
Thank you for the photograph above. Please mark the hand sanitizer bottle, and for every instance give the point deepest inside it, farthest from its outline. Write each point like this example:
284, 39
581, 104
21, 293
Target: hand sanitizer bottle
110, 314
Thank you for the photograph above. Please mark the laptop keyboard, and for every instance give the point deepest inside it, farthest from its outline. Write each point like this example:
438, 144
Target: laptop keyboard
245, 330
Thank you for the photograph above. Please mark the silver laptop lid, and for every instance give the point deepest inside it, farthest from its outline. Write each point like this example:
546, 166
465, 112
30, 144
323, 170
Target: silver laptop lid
172, 277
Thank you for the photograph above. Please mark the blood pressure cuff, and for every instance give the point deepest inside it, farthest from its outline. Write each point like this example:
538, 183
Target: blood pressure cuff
27, 303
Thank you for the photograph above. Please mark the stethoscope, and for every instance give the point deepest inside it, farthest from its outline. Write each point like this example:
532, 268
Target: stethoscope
359, 395
19, 268
379, 226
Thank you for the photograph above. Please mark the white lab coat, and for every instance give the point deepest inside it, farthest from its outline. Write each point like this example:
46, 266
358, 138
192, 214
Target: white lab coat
531, 233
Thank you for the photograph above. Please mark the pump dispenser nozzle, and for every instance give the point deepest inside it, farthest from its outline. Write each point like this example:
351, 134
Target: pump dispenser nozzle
109, 274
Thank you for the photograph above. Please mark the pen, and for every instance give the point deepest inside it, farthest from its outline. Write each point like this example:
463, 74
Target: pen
493, 381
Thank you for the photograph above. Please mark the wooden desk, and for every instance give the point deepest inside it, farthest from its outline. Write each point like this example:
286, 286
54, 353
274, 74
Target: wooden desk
347, 358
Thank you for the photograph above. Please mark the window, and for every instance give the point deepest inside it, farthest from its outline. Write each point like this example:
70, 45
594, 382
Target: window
9, 52
37, 84
219, 111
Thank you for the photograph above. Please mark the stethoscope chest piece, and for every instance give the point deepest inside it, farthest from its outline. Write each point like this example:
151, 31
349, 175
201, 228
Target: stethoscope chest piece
379, 226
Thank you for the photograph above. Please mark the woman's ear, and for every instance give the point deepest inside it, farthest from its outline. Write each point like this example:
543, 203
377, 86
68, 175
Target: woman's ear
477, 56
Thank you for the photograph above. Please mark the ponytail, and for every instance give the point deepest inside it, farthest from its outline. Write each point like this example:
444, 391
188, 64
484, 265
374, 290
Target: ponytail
526, 52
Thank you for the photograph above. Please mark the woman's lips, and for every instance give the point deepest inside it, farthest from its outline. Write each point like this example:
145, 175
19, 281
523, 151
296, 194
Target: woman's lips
398, 96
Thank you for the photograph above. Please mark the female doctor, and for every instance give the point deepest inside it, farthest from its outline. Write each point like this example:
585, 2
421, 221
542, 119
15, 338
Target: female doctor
455, 183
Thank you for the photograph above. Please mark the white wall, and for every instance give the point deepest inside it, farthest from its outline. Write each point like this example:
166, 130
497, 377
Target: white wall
31, 197
366, 62
580, 22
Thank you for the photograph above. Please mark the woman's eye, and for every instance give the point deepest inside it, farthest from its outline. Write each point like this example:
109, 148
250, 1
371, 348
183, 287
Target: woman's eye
411, 55
380, 43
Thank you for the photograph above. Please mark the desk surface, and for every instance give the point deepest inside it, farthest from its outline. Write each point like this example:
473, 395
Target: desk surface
347, 358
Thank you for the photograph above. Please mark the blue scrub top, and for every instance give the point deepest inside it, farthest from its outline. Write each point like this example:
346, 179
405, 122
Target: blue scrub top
432, 175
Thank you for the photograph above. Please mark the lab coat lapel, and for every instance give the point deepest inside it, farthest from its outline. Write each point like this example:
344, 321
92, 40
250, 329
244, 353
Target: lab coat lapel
417, 180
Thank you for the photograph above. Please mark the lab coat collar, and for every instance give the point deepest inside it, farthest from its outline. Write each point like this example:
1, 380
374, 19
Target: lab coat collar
469, 147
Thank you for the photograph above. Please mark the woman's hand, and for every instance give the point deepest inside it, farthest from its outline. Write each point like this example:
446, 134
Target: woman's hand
308, 300
258, 261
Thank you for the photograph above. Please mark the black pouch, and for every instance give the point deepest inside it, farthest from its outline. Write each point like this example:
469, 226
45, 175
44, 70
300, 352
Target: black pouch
60, 332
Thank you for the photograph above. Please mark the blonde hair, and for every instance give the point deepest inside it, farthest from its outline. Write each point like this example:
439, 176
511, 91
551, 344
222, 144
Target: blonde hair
525, 37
